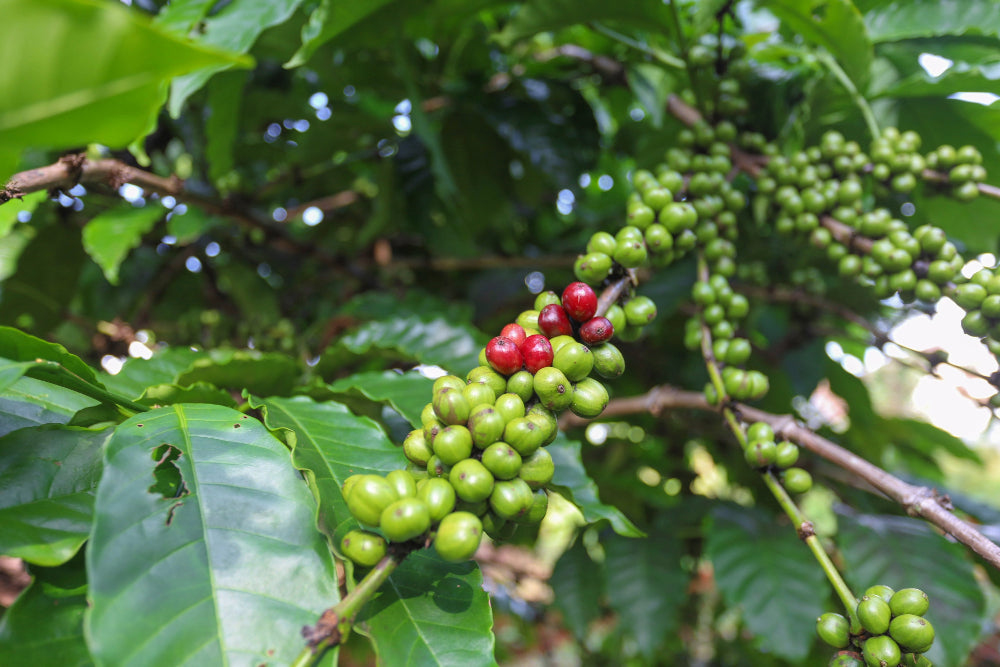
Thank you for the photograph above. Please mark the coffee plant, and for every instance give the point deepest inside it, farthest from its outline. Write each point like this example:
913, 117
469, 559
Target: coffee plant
475, 332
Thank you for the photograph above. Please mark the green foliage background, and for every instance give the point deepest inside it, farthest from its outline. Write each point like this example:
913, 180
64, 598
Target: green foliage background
368, 186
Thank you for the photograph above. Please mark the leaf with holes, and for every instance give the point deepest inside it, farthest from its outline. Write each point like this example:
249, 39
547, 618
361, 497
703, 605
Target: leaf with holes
902, 552
764, 569
48, 476
330, 444
572, 481
431, 613
201, 509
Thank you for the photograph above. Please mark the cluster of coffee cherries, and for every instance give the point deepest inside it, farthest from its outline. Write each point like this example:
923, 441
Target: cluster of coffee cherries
893, 630
964, 167
764, 454
479, 462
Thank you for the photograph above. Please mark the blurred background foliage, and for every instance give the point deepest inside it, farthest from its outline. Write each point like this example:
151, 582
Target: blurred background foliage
370, 185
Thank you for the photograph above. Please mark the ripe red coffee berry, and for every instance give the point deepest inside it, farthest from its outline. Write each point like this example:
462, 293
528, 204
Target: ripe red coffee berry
553, 321
515, 332
537, 353
596, 330
579, 301
503, 355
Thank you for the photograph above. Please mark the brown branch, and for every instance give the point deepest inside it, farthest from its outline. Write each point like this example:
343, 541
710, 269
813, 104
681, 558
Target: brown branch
916, 500
985, 189
613, 292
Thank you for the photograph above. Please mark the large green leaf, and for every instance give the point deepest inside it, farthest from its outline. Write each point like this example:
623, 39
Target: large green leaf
905, 553
431, 613
836, 26
31, 402
646, 584
48, 477
162, 368
225, 95
408, 392
547, 15
234, 28
110, 235
961, 77
44, 626
908, 19
181, 15
83, 71
18, 346
765, 570
258, 372
454, 347
330, 444
572, 481
327, 21
578, 588
200, 509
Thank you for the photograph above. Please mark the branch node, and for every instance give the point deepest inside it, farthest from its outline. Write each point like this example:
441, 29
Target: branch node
806, 530
327, 627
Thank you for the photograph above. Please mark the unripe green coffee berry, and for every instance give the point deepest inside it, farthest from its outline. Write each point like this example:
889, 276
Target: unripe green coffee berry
759, 431
520, 383
575, 360
528, 319
909, 601
874, 614
639, 311
370, 494
879, 590
590, 397
416, 448
479, 394
510, 406
537, 469
560, 342
642, 214
553, 389
512, 498
546, 419
913, 633
834, 629
539, 506
439, 496
403, 482
489, 377
452, 381
846, 659
600, 242
405, 519
881, 651
502, 460
524, 435
761, 453
485, 425
593, 267
796, 480
451, 406
472, 481
453, 444
786, 455
608, 360
363, 547
458, 536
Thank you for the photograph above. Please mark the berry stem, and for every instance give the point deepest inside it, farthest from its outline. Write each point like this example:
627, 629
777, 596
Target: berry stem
336, 622
840, 75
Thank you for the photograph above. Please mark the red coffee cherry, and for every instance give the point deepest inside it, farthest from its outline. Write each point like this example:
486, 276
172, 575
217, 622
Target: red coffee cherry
503, 355
579, 301
553, 321
537, 353
515, 332
596, 330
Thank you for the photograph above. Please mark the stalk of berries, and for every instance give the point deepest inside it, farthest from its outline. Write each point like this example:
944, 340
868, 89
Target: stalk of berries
479, 463
893, 631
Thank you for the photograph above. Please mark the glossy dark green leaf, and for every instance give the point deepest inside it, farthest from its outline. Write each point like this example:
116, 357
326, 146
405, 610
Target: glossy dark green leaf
51, 96
327, 21
330, 444
199, 392
572, 481
906, 553
48, 478
234, 28
762, 568
961, 77
454, 347
225, 95
431, 613
837, 26
162, 368
44, 626
407, 392
646, 584
547, 15
908, 19
18, 346
578, 588
181, 15
201, 509
30, 402
110, 235
267, 373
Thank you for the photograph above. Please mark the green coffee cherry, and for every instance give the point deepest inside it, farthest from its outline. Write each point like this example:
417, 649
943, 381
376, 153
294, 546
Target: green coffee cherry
539, 506
521, 385
593, 267
640, 311
502, 460
452, 444
834, 629
403, 482
909, 601
846, 659
553, 388
405, 519
575, 360
511, 406
913, 633
761, 453
600, 242
416, 448
458, 536
590, 397
796, 480
608, 360
472, 481
881, 651
369, 495
874, 614
537, 469
787, 454
548, 297
485, 425
439, 496
512, 498
880, 590
488, 376
363, 547
524, 435
451, 406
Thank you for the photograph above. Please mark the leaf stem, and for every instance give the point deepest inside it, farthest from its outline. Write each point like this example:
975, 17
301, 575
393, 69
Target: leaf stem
662, 56
838, 72
335, 623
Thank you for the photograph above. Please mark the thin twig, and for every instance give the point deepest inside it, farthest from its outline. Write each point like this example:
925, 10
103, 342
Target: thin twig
916, 500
